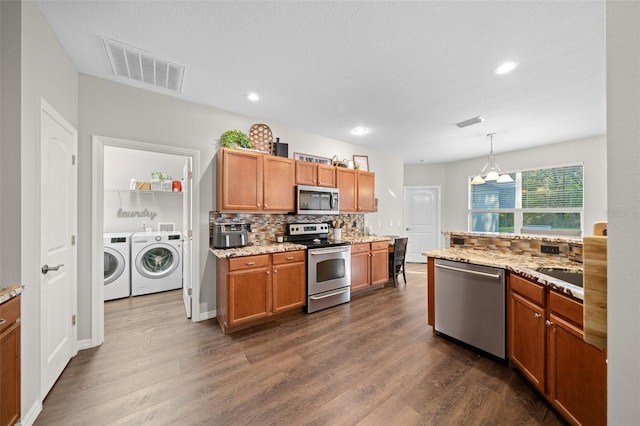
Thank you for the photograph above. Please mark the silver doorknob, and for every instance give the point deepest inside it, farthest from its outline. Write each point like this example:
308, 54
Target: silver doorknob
46, 268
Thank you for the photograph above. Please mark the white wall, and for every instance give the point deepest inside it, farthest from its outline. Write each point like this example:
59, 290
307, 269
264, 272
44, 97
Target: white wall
10, 55
115, 110
592, 152
47, 72
623, 153
123, 164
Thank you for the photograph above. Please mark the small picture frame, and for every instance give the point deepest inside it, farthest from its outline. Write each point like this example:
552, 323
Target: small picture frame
363, 162
311, 158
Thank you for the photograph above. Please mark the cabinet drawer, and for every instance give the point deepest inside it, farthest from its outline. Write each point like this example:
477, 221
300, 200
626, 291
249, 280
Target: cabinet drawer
248, 262
380, 245
288, 257
359, 248
527, 289
9, 313
566, 307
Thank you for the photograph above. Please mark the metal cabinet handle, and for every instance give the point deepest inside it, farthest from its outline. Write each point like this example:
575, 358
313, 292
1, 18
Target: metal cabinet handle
250, 263
537, 315
549, 323
2, 321
46, 268
289, 257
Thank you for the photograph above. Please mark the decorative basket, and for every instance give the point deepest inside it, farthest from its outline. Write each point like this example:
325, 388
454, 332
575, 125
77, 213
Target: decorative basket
261, 137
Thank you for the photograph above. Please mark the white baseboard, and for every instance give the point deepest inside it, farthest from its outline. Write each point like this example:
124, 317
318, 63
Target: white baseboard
85, 344
207, 315
30, 418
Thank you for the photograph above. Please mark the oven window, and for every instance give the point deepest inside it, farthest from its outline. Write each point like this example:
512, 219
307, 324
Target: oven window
330, 269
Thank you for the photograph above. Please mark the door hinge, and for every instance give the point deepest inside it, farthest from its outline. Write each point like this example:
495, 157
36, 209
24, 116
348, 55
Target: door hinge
73, 240
190, 175
73, 319
73, 160
190, 291
190, 233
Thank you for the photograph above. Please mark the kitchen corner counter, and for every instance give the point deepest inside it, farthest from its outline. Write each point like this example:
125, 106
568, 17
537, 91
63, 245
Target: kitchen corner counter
8, 293
256, 250
519, 264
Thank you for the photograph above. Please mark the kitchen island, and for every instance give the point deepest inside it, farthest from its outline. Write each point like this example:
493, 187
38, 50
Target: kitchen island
544, 325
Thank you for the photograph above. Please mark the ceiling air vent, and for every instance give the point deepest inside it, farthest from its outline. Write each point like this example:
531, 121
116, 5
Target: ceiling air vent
131, 62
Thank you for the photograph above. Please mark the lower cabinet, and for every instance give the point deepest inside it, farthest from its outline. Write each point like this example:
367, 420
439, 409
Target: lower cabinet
250, 289
10, 361
369, 264
546, 344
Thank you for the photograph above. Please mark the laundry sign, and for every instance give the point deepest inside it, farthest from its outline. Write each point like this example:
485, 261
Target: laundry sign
137, 213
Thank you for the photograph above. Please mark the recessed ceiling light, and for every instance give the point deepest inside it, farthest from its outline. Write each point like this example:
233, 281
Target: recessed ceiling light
253, 97
359, 131
506, 68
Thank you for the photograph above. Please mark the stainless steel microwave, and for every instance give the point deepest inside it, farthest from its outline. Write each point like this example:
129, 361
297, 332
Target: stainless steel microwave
317, 200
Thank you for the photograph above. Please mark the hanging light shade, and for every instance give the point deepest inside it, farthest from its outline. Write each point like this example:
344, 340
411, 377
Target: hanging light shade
491, 171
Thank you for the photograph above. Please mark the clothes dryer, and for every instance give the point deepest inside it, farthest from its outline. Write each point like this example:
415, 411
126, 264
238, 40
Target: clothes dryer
156, 262
117, 271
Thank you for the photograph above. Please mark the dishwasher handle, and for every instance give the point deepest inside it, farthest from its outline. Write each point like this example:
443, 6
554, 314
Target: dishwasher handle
469, 271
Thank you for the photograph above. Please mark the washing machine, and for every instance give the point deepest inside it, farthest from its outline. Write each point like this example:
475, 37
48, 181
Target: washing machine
117, 271
156, 262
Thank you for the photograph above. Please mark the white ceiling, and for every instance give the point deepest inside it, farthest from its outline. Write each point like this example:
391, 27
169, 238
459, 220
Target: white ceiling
407, 70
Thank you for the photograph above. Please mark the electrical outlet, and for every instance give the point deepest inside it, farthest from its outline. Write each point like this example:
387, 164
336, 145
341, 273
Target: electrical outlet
459, 241
390, 222
550, 249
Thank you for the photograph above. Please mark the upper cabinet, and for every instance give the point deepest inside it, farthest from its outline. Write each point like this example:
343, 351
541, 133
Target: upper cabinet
313, 174
357, 190
250, 181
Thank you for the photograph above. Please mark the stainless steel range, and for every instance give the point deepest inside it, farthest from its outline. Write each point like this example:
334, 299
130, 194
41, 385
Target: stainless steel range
328, 265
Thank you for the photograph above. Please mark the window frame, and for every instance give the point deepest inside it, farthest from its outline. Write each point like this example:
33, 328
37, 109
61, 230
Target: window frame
518, 211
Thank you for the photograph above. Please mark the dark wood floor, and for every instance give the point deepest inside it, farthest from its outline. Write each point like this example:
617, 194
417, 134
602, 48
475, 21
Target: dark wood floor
371, 362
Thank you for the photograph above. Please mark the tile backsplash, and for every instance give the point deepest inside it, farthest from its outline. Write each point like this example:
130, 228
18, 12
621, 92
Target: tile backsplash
525, 245
266, 227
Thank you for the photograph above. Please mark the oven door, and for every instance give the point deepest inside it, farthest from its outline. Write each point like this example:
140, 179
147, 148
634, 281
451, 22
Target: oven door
329, 268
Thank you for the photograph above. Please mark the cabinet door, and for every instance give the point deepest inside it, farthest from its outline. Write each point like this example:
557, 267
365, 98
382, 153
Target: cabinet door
379, 266
239, 182
366, 192
360, 270
326, 176
289, 286
279, 181
577, 375
526, 325
347, 183
249, 295
10, 363
306, 173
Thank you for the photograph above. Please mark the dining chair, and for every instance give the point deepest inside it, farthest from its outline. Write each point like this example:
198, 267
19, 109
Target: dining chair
398, 264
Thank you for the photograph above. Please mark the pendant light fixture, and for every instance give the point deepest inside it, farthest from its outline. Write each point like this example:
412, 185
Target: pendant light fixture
491, 170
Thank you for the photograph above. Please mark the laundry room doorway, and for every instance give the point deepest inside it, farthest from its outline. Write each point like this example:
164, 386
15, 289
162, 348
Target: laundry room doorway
143, 195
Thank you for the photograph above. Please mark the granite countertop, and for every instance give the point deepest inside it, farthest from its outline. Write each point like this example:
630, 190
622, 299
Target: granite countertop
7, 293
521, 265
253, 250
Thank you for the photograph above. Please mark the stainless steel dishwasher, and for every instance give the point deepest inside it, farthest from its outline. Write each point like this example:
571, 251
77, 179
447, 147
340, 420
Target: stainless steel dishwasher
470, 305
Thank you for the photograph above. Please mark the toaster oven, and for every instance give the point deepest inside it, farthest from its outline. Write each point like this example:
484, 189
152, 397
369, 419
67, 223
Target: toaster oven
230, 235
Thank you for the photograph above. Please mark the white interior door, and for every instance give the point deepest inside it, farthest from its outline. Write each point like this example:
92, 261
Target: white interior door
58, 185
422, 222
187, 230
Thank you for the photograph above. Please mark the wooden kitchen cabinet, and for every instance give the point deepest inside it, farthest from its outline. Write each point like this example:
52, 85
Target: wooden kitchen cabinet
357, 190
289, 281
546, 344
577, 371
313, 174
10, 361
250, 181
279, 182
252, 289
527, 329
369, 264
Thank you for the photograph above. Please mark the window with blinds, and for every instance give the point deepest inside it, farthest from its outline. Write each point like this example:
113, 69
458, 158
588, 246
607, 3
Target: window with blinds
541, 201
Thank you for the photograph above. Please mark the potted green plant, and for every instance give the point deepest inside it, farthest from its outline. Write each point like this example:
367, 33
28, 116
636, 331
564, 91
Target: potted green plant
234, 139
